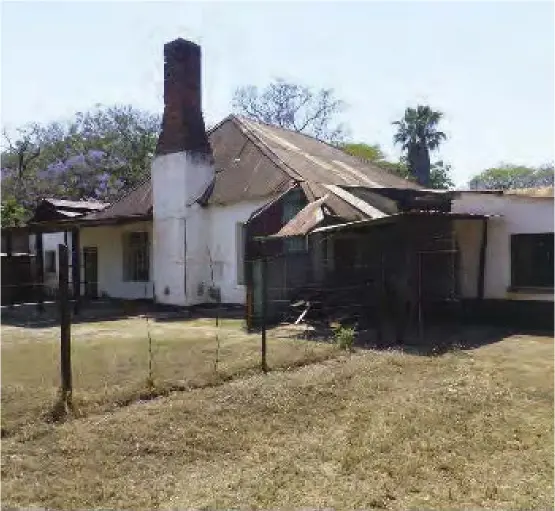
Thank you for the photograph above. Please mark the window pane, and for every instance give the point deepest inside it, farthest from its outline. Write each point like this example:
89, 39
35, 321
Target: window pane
136, 257
532, 260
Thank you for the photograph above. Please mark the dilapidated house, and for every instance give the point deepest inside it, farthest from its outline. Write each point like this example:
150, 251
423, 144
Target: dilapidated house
246, 202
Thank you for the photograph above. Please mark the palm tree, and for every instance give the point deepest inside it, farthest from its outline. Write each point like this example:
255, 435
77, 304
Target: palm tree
418, 135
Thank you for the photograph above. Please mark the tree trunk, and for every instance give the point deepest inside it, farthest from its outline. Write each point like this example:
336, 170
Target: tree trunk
419, 164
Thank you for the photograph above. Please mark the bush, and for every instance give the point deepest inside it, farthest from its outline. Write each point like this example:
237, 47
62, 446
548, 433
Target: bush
344, 337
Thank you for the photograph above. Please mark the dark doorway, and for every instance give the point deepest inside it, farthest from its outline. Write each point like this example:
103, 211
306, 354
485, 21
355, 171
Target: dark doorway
90, 263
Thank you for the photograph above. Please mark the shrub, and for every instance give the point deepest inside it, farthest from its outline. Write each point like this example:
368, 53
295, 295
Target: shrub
344, 337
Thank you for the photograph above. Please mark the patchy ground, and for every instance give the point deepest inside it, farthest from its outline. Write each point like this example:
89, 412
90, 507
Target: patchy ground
375, 429
110, 361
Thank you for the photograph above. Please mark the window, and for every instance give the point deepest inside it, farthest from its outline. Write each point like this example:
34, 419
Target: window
240, 240
135, 257
532, 260
50, 261
293, 202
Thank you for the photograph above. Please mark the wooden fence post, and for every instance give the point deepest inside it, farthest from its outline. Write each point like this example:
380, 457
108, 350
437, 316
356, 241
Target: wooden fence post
263, 313
65, 326
40, 272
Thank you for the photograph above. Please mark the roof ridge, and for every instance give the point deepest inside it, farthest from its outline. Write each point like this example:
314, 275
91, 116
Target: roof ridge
372, 166
241, 122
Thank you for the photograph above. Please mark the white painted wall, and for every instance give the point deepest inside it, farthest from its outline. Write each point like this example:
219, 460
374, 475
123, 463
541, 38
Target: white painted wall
518, 215
109, 243
181, 232
223, 246
215, 243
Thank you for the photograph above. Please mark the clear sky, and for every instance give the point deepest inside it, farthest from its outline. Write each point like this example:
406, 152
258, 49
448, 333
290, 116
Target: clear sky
489, 66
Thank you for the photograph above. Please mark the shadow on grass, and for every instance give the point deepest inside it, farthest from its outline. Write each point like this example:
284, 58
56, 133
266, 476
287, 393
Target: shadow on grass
28, 316
437, 338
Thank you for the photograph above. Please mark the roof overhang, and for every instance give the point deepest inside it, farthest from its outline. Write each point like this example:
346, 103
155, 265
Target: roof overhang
66, 225
372, 222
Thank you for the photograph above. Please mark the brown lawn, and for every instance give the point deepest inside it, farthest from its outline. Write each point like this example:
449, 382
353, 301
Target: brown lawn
375, 429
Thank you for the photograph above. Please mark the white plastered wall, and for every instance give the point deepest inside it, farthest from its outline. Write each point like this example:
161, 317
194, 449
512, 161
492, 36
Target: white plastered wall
223, 222
516, 215
181, 234
109, 243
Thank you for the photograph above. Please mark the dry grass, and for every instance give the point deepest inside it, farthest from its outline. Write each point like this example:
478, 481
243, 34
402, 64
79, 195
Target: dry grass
373, 430
110, 363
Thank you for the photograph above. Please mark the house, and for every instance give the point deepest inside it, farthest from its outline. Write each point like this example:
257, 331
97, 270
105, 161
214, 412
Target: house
222, 210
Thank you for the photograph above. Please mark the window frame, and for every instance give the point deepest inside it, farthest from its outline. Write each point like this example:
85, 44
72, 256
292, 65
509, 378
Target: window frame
132, 253
536, 270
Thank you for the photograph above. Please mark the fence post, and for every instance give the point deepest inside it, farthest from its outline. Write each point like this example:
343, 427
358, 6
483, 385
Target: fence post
65, 326
263, 313
40, 271
76, 268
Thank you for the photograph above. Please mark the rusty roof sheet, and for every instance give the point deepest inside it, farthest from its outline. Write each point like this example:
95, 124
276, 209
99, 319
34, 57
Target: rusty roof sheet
315, 161
254, 161
138, 202
311, 216
80, 205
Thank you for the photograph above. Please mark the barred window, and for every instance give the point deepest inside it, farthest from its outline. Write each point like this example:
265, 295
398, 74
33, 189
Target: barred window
136, 257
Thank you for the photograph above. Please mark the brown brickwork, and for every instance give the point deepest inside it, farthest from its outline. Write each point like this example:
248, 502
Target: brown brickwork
182, 125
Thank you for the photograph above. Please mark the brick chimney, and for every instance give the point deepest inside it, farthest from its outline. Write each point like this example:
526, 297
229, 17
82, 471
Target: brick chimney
182, 170
183, 126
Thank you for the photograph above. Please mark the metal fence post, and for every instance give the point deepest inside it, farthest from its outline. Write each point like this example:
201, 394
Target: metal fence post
65, 326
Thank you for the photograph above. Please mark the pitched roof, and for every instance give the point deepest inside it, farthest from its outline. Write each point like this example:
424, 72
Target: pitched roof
136, 203
254, 160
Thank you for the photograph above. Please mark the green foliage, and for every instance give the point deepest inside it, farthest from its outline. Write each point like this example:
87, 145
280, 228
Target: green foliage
367, 152
12, 214
509, 176
344, 337
418, 135
93, 155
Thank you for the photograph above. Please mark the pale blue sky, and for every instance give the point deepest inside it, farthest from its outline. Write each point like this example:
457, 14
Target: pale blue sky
488, 65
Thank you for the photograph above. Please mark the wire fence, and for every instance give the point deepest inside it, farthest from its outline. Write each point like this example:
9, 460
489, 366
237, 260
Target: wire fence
122, 351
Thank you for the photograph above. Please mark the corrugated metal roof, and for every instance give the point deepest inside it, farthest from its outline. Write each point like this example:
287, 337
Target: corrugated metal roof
396, 216
319, 162
71, 204
312, 215
138, 202
253, 161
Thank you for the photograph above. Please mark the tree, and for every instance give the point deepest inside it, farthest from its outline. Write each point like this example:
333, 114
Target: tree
439, 172
294, 107
94, 155
367, 152
418, 135
509, 176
